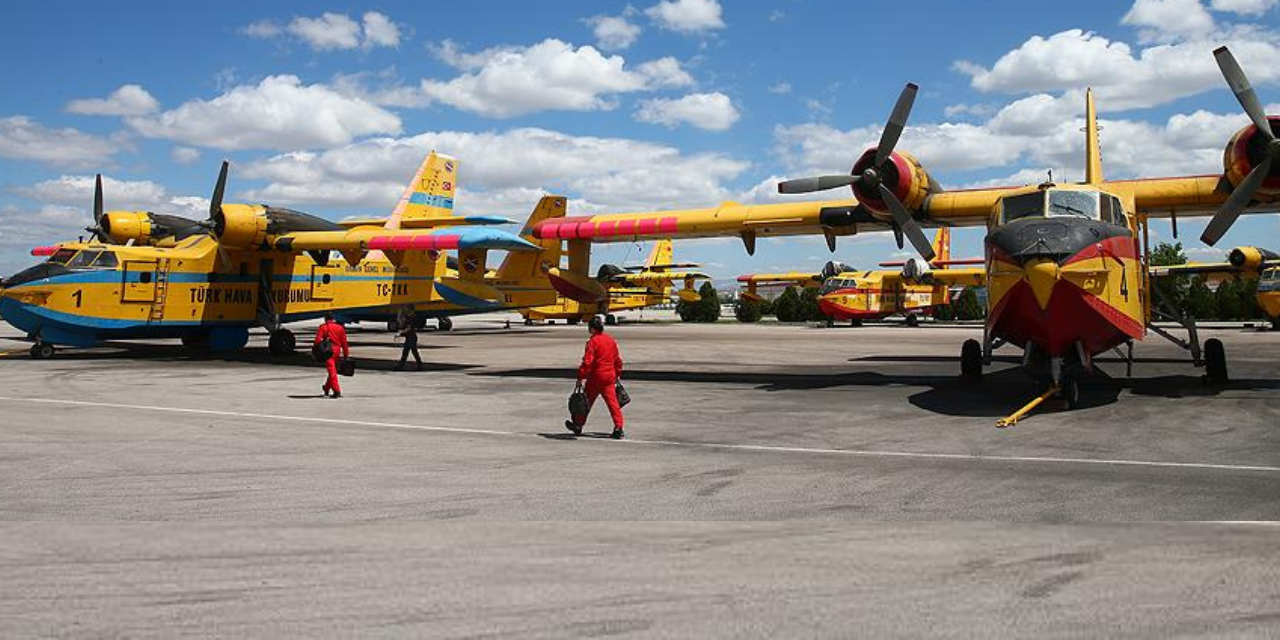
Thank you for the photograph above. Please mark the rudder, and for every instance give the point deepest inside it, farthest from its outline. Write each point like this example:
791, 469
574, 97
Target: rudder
430, 193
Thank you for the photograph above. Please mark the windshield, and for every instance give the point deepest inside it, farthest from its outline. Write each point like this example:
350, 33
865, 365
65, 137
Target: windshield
84, 259
1076, 204
61, 256
1023, 206
1270, 280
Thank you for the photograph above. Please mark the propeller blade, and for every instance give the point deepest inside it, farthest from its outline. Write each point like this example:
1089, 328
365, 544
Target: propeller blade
818, 183
1236, 203
907, 223
897, 122
215, 203
1244, 91
97, 200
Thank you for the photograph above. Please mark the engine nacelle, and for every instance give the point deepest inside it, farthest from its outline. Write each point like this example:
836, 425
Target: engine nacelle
832, 269
1247, 150
241, 225
915, 268
902, 174
123, 226
1250, 258
610, 273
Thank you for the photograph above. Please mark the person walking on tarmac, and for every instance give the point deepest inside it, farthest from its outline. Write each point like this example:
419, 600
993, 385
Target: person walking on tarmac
408, 322
336, 335
600, 368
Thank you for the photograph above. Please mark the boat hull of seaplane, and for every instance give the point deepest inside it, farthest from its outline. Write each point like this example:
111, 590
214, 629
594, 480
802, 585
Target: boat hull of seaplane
1064, 288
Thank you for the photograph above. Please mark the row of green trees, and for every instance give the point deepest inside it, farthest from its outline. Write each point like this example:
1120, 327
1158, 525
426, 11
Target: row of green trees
1234, 299
801, 305
706, 309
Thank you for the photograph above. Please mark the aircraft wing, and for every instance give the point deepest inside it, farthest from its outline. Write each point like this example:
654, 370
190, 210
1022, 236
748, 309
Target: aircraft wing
1206, 268
376, 238
790, 277
428, 222
971, 277
658, 277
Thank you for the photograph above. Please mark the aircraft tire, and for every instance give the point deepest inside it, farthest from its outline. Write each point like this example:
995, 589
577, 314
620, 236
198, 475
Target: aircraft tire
282, 343
393, 326
1071, 393
913, 320
528, 322
971, 360
611, 319
1215, 361
855, 323
42, 350
196, 341
444, 324
573, 320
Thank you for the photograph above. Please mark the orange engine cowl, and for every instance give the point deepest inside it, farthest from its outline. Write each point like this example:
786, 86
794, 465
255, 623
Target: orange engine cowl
240, 225
1247, 150
1250, 258
901, 173
123, 226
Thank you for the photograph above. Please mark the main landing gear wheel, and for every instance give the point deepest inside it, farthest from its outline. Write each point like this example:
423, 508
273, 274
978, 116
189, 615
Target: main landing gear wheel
971, 360
913, 320
1215, 361
573, 320
196, 341
528, 322
855, 323
282, 342
42, 350
393, 326
444, 324
1070, 391
611, 319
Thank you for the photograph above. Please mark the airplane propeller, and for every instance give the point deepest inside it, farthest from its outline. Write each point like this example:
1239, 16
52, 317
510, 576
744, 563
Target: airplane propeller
1243, 192
869, 178
97, 230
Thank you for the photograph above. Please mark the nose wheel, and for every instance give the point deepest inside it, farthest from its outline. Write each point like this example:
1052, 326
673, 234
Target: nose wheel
42, 350
282, 342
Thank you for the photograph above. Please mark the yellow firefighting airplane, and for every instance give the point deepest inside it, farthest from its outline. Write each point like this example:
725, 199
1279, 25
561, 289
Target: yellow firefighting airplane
1067, 264
847, 294
627, 288
150, 276
1242, 262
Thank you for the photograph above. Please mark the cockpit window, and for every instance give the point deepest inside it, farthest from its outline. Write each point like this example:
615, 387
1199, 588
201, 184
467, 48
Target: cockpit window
84, 259
1025, 205
1073, 204
106, 261
62, 256
1270, 280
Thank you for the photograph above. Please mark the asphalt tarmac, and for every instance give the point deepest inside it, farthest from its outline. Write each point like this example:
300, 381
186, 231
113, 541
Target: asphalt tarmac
1049, 527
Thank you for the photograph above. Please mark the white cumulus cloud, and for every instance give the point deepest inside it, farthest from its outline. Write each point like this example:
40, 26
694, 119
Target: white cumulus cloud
687, 16
710, 111
1167, 20
1244, 7
128, 100
613, 33
279, 113
22, 138
332, 31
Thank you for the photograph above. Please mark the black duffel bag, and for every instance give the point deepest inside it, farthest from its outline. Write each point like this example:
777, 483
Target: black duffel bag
577, 403
346, 367
620, 391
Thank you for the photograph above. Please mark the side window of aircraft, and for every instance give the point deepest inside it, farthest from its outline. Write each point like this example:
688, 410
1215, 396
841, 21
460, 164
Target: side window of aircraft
1075, 204
1112, 211
83, 260
144, 277
106, 261
62, 256
1026, 205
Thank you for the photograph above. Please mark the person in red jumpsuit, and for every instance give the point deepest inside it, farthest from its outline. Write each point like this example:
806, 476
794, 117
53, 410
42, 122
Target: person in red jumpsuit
601, 366
337, 336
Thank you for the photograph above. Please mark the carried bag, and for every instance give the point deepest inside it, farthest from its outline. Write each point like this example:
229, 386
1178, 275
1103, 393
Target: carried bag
346, 367
620, 391
322, 350
577, 402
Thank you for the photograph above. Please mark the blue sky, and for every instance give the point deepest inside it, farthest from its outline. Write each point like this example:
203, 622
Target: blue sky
653, 104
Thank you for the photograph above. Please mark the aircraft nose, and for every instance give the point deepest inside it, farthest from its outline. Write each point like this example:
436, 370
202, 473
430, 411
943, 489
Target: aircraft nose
1042, 275
1055, 239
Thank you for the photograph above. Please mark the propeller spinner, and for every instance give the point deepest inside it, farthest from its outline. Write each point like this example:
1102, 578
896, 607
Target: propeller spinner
1243, 193
869, 178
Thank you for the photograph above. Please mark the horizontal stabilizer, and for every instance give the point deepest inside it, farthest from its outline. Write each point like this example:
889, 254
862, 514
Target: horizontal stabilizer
664, 267
471, 294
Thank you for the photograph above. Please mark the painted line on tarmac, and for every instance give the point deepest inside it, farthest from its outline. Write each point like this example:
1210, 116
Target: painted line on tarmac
722, 446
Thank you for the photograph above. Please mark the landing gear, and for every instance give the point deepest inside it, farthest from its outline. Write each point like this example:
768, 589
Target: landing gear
855, 323
196, 342
42, 350
528, 322
282, 342
573, 320
611, 319
971, 360
1070, 391
913, 320
1215, 361
393, 326
444, 324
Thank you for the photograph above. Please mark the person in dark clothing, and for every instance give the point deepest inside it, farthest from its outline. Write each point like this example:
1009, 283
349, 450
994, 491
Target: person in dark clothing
408, 322
601, 366
337, 337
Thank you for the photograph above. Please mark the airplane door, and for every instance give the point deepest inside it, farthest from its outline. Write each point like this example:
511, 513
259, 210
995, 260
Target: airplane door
322, 282
139, 281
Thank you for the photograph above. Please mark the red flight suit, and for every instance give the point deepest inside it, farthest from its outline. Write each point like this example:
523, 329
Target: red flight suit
601, 366
337, 336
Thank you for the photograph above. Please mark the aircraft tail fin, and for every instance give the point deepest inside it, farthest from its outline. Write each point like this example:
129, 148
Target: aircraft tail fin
662, 253
942, 245
1093, 150
534, 264
429, 194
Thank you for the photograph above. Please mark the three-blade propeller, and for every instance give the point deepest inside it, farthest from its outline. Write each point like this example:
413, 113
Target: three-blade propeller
97, 229
869, 178
1243, 193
